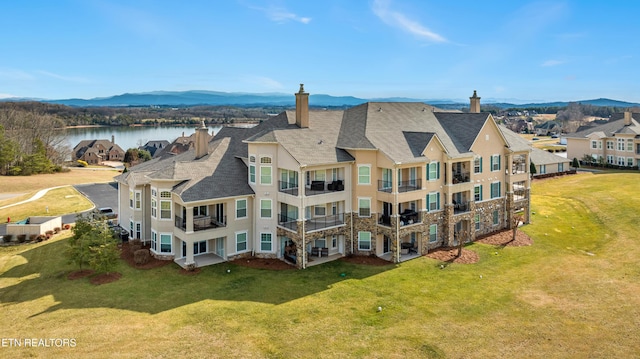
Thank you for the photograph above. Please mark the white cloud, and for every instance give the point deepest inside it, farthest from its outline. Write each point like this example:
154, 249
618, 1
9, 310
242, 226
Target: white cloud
6, 95
396, 19
550, 63
281, 15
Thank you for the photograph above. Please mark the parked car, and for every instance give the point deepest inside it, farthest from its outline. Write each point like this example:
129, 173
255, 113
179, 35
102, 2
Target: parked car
105, 213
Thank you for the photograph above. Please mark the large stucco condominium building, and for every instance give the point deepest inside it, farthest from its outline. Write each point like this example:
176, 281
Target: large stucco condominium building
390, 179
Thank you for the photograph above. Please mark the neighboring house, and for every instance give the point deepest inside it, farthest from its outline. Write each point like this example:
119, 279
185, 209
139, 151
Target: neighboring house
390, 179
548, 128
155, 147
617, 142
548, 164
180, 145
97, 151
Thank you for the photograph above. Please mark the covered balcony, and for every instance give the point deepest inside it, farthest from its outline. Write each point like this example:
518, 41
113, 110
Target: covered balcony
519, 164
203, 218
408, 214
460, 202
460, 172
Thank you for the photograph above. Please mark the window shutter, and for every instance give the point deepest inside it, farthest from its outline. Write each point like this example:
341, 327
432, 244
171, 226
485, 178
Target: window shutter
428, 172
499, 190
499, 160
480, 164
438, 200
481, 192
438, 166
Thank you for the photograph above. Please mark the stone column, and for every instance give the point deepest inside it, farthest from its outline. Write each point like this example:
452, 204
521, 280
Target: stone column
449, 225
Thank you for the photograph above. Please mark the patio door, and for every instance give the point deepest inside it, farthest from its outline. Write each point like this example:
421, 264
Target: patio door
219, 246
386, 244
412, 176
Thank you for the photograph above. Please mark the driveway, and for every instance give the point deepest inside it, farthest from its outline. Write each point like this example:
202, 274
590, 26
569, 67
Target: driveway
101, 194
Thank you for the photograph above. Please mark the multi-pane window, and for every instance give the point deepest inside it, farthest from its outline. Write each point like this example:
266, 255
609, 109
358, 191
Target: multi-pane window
364, 207
609, 145
154, 240
319, 210
433, 171
620, 144
265, 208
364, 241
266, 244
364, 174
543, 169
252, 173
154, 208
288, 179
165, 209
165, 243
630, 161
265, 160
241, 241
265, 174
433, 233
130, 199
241, 208
610, 159
495, 163
476, 219
629, 145
496, 218
138, 202
477, 165
495, 190
621, 161
199, 211
560, 167
477, 193
433, 201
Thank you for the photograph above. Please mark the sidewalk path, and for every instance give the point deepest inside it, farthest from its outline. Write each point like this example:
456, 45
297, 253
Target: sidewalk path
36, 196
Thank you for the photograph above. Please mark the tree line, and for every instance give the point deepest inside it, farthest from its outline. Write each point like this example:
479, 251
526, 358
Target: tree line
31, 142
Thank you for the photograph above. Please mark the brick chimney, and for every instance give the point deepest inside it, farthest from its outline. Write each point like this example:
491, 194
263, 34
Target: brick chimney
302, 108
475, 103
628, 116
202, 145
113, 139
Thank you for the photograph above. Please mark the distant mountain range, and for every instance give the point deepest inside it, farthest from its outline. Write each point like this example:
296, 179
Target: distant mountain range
194, 98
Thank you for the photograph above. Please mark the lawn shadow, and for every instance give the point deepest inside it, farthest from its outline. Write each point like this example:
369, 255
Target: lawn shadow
164, 288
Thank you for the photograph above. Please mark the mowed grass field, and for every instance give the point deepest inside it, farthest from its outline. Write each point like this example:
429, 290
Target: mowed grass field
575, 293
31, 184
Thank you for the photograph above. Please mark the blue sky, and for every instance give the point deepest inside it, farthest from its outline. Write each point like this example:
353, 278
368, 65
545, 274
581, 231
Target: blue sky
513, 50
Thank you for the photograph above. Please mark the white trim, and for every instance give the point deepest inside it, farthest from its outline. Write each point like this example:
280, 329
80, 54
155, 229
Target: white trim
272, 244
246, 208
270, 207
358, 174
368, 199
235, 241
160, 243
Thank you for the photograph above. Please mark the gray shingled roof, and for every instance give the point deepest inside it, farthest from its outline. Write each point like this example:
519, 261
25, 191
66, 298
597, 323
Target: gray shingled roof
515, 141
541, 157
462, 128
610, 128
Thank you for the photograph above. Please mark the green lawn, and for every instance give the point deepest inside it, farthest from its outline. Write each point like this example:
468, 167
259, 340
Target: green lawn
573, 294
55, 202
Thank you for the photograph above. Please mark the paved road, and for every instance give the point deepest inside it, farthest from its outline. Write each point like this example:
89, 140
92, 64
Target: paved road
101, 194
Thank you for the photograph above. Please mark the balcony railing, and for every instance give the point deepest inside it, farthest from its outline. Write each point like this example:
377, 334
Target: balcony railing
288, 222
461, 177
320, 187
201, 223
403, 186
288, 187
461, 207
317, 223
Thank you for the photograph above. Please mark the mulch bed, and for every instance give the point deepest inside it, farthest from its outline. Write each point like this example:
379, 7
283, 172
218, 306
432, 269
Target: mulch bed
127, 256
505, 238
105, 278
449, 254
80, 274
263, 263
368, 260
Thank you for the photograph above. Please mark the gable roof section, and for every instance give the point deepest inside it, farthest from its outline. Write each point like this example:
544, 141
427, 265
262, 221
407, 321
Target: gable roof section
515, 141
418, 141
462, 128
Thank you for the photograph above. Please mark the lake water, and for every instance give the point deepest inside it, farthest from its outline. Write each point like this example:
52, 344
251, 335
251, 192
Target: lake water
131, 137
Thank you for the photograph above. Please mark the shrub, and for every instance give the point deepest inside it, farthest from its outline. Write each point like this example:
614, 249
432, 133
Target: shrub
141, 256
7, 238
41, 238
32, 237
56, 230
22, 238
66, 226
134, 247
136, 241
49, 234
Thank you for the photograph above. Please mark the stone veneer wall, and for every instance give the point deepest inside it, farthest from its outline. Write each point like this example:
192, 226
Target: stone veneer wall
429, 218
364, 224
162, 257
485, 210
